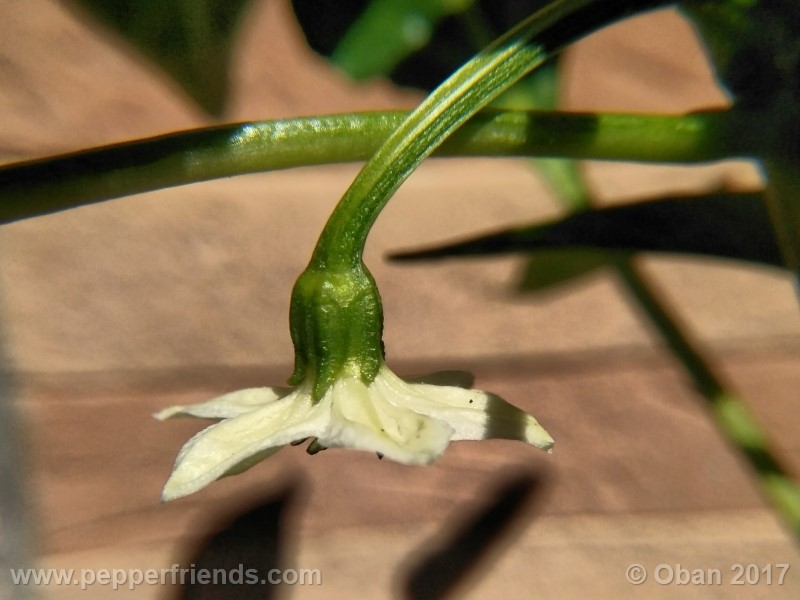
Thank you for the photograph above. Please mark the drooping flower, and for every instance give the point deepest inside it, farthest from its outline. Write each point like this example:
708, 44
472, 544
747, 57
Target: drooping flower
411, 423
344, 395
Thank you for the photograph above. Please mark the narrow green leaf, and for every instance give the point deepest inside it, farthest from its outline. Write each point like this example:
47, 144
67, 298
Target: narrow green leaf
726, 225
189, 39
384, 38
388, 31
733, 418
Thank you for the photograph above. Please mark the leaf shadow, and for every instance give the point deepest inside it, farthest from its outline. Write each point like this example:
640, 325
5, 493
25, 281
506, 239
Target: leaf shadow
481, 536
236, 560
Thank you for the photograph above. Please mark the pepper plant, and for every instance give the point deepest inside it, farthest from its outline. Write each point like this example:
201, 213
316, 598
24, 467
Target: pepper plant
344, 394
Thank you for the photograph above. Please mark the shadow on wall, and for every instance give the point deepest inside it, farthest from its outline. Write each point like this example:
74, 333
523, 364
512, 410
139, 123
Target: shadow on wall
242, 552
483, 533
248, 549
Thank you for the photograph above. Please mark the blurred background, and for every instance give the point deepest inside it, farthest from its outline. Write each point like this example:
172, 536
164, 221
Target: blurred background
113, 311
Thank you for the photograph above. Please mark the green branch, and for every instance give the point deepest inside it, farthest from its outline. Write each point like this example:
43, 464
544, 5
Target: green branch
733, 418
472, 87
53, 184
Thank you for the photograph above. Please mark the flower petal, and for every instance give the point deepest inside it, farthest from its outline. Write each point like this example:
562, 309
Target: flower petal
473, 414
362, 419
226, 406
236, 444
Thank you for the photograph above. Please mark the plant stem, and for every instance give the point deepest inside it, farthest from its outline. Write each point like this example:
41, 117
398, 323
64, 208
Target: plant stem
49, 185
733, 418
459, 97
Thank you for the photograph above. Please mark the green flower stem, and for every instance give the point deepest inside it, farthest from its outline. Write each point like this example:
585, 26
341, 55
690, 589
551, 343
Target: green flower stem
49, 185
336, 286
472, 87
733, 418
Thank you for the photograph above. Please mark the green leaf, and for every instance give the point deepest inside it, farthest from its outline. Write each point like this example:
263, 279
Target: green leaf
725, 225
189, 39
416, 43
388, 31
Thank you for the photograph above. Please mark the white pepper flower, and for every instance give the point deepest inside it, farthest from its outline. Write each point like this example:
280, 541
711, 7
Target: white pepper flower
411, 423
344, 395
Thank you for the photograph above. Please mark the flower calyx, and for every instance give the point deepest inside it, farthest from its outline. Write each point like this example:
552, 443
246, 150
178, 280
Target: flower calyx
336, 323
